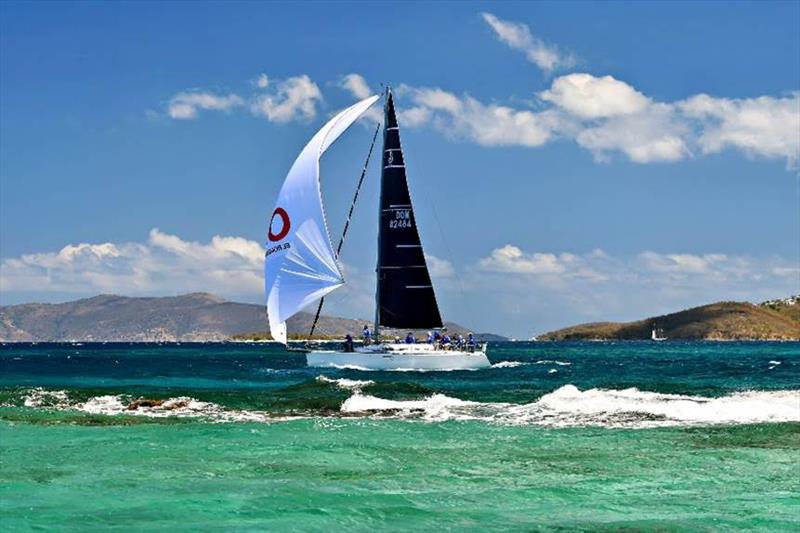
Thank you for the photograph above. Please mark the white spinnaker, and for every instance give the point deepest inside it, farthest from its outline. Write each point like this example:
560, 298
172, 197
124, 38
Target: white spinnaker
300, 266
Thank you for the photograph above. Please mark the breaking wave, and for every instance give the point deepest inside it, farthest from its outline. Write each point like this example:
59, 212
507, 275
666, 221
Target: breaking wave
569, 406
112, 405
566, 406
348, 384
509, 364
514, 364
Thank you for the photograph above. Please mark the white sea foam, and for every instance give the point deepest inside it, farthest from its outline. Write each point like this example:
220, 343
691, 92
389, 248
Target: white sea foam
112, 405
509, 364
343, 383
350, 367
40, 397
181, 407
569, 406
435, 407
514, 364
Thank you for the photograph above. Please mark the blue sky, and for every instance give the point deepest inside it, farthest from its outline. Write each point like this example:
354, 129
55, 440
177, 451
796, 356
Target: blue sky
568, 162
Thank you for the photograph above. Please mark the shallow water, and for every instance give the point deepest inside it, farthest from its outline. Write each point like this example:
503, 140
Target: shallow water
556, 436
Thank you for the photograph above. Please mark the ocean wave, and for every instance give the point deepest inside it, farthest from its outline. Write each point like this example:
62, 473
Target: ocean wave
515, 364
552, 362
114, 405
509, 364
568, 406
348, 384
40, 397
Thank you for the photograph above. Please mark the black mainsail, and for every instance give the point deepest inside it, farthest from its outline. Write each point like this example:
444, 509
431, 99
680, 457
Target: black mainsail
405, 297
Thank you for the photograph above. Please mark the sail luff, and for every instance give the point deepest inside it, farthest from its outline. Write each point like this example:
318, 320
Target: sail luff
300, 264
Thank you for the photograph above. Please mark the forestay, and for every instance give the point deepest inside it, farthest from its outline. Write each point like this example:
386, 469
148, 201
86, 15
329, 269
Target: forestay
300, 265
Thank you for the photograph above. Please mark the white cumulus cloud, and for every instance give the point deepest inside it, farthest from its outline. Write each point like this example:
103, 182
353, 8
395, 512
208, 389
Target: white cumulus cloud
280, 101
164, 264
439, 268
262, 82
519, 37
185, 105
764, 126
295, 98
588, 96
357, 86
485, 124
608, 116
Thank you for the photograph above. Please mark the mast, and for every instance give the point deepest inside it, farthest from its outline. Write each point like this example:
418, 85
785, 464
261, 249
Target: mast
376, 327
404, 296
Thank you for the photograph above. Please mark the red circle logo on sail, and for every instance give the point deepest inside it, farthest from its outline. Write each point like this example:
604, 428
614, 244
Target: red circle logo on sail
285, 224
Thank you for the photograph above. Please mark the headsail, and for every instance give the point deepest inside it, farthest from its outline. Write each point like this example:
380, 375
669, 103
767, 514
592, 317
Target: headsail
300, 265
405, 296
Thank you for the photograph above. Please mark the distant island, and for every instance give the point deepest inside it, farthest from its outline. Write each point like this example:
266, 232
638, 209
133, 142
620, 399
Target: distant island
771, 320
203, 317
198, 317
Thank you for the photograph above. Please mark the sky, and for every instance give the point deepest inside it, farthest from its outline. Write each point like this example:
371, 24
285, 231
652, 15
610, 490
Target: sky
568, 162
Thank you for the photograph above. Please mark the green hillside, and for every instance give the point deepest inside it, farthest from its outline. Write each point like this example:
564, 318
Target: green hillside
773, 320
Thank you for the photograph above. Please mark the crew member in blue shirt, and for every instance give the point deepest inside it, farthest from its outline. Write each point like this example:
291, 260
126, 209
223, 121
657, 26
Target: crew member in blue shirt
458, 340
410, 338
446, 341
429, 338
367, 334
471, 341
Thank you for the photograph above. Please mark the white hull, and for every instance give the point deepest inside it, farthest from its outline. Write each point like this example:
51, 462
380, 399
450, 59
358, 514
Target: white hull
400, 357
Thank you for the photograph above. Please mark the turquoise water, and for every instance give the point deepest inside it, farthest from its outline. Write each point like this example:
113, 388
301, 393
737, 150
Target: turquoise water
557, 436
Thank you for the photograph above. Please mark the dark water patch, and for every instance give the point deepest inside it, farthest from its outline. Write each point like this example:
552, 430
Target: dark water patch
768, 436
54, 418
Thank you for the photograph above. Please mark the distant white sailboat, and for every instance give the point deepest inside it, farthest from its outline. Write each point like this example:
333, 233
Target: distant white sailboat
657, 334
301, 266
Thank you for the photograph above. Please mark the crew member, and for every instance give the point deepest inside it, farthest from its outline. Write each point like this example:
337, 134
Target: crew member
459, 340
367, 335
410, 338
445, 341
471, 343
348, 343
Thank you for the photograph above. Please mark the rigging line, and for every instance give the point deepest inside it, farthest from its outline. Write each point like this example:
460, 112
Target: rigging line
347, 222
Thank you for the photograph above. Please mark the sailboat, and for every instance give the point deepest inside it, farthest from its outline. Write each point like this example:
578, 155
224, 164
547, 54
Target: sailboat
301, 266
657, 334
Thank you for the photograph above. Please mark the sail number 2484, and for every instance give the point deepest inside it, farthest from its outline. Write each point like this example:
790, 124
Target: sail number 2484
402, 219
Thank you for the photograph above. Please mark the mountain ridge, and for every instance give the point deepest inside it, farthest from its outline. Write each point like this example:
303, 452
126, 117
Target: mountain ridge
195, 316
